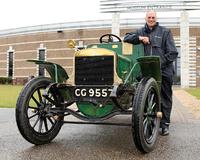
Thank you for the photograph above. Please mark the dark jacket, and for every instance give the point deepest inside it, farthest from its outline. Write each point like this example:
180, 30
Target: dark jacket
161, 44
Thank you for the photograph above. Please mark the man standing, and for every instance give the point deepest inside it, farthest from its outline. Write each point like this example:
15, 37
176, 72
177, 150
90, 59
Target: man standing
158, 40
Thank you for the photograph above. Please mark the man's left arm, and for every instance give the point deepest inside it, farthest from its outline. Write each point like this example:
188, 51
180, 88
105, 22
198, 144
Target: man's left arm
170, 48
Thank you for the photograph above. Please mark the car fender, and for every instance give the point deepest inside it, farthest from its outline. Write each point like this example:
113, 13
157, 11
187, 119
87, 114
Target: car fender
57, 73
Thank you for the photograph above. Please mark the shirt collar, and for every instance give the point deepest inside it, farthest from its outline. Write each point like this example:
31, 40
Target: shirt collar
148, 30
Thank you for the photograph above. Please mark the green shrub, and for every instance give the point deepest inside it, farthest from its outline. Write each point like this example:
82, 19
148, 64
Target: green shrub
5, 80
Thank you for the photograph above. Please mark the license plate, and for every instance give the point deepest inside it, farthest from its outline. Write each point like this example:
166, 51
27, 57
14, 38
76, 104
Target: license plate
92, 92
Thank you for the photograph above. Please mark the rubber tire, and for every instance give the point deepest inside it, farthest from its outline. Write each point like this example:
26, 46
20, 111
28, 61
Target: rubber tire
21, 117
138, 113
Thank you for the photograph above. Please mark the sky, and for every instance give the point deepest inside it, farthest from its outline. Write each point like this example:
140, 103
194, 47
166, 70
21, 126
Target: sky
23, 13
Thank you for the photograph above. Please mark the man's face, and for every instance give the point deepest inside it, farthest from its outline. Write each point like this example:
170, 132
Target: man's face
151, 19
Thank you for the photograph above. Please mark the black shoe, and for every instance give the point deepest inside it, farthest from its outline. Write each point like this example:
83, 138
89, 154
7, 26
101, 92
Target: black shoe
164, 131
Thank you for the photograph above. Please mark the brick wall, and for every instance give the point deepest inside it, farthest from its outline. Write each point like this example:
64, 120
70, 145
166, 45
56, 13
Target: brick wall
26, 47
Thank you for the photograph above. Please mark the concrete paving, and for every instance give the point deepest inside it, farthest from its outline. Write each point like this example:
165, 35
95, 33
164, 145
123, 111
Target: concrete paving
92, 142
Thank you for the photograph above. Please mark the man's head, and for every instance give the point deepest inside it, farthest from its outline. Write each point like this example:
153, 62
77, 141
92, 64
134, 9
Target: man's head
151, 18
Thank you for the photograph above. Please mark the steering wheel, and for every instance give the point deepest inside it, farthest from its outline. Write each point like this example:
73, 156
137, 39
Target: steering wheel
109, 38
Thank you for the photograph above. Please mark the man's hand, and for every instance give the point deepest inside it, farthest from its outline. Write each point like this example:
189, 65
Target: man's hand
145, 40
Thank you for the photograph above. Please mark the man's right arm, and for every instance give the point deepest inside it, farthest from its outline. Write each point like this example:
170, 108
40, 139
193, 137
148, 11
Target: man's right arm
132, 37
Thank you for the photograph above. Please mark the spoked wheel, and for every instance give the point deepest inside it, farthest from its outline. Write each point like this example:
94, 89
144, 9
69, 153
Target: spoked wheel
146, 115
36, 124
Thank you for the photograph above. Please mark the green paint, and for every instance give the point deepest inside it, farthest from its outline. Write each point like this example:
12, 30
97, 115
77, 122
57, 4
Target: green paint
128, 68
128, 77
150, 67
94, 111
125, 63
57, 73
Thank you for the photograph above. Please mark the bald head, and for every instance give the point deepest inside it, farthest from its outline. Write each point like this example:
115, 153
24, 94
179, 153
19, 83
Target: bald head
151, 18
151, 12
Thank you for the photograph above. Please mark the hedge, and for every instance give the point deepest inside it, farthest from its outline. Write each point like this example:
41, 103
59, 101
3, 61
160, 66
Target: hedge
5, 80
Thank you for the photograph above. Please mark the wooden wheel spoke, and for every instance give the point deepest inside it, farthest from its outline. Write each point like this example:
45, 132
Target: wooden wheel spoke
35, 100
36, 121
50, 120
39, 95
149, 131
153, 105
145, 114
33, 107
151, 99
45, 124
40, 125
145, 125
33, 115
50, 100
151, 128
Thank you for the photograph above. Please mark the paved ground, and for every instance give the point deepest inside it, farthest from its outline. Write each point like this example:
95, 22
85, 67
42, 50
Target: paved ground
191, 102
90, 142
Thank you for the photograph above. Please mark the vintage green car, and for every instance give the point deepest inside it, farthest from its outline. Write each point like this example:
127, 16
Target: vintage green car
109, 78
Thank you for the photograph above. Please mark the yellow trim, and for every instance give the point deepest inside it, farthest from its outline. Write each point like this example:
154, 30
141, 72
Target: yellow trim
94, 52
114, 46
127, 48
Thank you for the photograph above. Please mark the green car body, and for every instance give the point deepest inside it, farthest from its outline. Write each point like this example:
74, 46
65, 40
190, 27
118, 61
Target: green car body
129, 67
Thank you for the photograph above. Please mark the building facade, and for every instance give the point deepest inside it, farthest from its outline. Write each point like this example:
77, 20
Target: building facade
48, 42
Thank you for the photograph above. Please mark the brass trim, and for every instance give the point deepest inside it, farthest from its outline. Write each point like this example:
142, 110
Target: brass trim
95, 52
71, 44
127, 48
159, 114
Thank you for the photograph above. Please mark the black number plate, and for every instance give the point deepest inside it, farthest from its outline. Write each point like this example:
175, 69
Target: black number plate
81, 92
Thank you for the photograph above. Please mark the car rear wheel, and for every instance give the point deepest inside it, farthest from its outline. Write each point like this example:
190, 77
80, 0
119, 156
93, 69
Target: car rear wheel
145, 119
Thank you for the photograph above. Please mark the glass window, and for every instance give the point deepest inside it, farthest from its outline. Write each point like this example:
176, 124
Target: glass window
41, 58
10, 64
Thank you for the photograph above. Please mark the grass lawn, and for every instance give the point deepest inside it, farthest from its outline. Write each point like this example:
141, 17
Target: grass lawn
194, 91
9, 95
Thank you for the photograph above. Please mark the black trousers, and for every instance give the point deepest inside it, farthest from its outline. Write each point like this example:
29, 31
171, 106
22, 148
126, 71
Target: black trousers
166, 100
